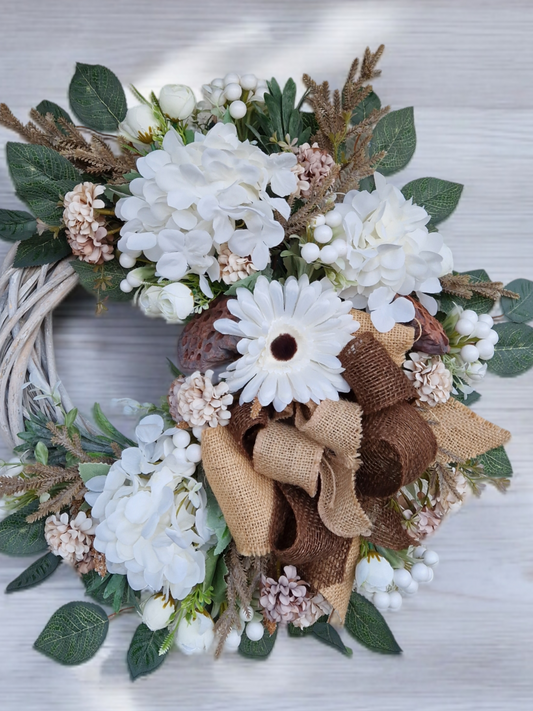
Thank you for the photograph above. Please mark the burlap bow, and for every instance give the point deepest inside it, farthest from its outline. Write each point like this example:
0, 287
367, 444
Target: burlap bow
306, 483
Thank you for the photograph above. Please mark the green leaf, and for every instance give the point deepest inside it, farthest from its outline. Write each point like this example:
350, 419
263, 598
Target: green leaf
211, 560
438, 197
42, 249
467, 400
364, 108
16, 225
110, 430
89, 470
32, 164
368, 184
396, 135
41, 453
103, 281
176, 372
288, 100
70, 417
110, 586
97, 97
219, 582
519, 310
36, 573
45, 199
48, 107
496, 464
18, 537
216, 521
143, 654
513, 354
327, 634
249, 281
74, 633
479, 304
258, 650
366, 625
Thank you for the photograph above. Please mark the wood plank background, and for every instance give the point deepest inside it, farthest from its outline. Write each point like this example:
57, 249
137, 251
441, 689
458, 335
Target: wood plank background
467, 68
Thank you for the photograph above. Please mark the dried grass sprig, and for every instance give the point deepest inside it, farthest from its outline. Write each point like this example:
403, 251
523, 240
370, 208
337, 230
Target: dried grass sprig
72, 493
461, 285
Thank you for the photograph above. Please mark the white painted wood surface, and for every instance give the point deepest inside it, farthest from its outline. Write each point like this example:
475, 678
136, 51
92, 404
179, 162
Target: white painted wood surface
467, 69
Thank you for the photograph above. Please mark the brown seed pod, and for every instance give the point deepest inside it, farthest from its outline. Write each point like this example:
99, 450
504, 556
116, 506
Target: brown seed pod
429, 334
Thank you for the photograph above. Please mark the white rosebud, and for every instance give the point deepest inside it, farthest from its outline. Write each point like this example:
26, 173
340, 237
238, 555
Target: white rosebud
177, 101
173, 302
374, 574
140, 124
157, 612
196, 636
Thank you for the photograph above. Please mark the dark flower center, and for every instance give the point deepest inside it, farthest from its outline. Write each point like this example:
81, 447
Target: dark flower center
284, 347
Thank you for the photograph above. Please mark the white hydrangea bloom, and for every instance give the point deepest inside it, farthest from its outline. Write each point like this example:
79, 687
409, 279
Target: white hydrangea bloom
386, 251
191, 199
151, 514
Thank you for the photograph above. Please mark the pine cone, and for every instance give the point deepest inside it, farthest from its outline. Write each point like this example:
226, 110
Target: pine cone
202, 348
429, 334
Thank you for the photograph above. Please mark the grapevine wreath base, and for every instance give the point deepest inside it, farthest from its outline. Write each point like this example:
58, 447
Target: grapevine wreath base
318, 426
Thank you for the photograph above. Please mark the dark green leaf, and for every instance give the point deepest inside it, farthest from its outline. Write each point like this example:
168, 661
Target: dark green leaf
103, 281
367, 184
110, 586
309, 121
45, 199
110, 430
249, 281
366, 625
327, 634
176, 372
48, 107
43, 249
479, 304
97, 97
219, 582
496, 464
513, 354
36, 573
519, 310
365, 108
16, 225
258, 650
396, 135
74, 633
216, 522
32, 164
288, 100
468, 399
143, 654
18, 537
438, 197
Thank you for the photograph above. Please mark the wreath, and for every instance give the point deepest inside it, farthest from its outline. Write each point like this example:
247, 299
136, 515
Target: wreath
317, 429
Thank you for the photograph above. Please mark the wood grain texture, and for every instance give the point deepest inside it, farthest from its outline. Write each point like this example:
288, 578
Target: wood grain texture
467, 68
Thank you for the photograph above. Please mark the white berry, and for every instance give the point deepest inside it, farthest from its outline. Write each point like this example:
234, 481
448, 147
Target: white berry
381, 600
485, 318
323, 234
486, 349
233, 92
133, 280
194, 453
310, 252
470, 315
431, 558
328, 254
481, 330
237, 109
125, 286
340, 246
217, 97
395, 601
420, 573
333, 218
431, 575
246, 614
231, 78
419, 551
255, 631
464, 326
412, 589
126, 260
232, 641
402, 578
218, 82
469, 354
181, 439
493, 337
319, 220
248, 82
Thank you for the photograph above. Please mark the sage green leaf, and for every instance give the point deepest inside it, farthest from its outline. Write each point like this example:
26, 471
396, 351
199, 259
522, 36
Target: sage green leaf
519, 310
365, 108
496, 464
16, 225
216, 521
513, 354
366, 625
42, 249
97, 97
36, 573
479, 304
396, 135
249, 281
74, 633
18, 537
41, 453
89, 470
219, 582
327, 634
143, 654
110, 430
438, 197
258, 650
32, 164
368, 184
288, 101
103, 281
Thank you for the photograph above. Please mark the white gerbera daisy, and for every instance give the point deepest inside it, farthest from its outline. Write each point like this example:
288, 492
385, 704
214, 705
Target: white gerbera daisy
291, 337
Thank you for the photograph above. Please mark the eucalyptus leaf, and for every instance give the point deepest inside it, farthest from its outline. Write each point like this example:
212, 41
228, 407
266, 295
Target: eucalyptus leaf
396, 135
143, 654
16, 225
103, 281
479, 304
74, 633
36, 573
20, 538
97, 97
258, 650
496, 464
513, 354
88, 470
367, 625
42, 249
438, 197
519, 310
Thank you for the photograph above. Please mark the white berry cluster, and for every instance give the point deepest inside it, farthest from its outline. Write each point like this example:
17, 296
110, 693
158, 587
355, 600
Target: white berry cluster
474, 335
324, 248
385, 586
233, 92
